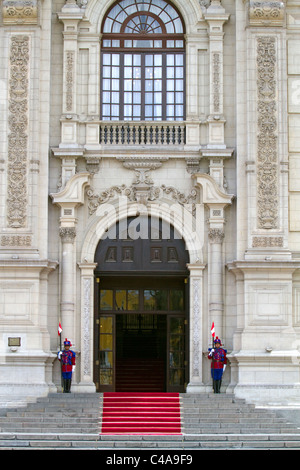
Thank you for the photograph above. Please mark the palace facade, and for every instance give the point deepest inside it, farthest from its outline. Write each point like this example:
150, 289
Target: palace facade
150, 186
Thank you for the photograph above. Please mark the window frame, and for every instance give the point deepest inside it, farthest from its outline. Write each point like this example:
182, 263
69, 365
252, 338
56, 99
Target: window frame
163, 51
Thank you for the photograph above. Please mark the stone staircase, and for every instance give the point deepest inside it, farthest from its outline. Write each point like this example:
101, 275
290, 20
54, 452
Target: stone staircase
73, 421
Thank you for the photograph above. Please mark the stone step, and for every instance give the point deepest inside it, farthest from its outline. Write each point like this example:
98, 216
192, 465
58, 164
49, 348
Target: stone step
208, 421
88, 441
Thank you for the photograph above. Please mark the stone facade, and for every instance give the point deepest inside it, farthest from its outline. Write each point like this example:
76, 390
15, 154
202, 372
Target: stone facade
236, 176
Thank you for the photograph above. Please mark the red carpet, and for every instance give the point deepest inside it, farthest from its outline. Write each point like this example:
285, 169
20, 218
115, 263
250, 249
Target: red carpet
141, 413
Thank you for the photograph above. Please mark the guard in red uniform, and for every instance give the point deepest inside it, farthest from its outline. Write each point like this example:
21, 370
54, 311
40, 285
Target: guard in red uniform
218, 364
67, 358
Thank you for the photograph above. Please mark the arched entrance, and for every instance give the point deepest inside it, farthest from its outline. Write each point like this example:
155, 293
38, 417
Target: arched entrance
141, 308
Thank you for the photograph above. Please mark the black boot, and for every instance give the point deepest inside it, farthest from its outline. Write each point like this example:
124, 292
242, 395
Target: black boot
64, 385
68, 385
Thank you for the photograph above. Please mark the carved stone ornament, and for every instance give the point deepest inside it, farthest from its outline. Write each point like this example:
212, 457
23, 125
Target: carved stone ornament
265, 13
267, 158
216, 235
67, 234
20, 12
18, 132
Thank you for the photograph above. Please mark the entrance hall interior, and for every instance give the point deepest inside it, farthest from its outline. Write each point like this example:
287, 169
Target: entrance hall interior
141, 352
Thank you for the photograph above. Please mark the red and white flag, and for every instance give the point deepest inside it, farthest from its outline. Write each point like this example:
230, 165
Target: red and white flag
212, 330
59, 329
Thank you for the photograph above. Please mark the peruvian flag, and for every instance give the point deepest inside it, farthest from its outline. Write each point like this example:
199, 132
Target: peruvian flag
212, 330
59, 329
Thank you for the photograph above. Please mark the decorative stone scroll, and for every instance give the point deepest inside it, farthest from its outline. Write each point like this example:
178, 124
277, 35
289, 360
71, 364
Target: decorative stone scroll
67, 234
267, 158
20, 12
17, 198
267, 242
265, 13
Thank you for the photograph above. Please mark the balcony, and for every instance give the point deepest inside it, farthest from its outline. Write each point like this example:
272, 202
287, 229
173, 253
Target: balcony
142, 133
95, 135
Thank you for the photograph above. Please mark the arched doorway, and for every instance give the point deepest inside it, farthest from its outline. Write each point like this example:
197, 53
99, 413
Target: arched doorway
141, 308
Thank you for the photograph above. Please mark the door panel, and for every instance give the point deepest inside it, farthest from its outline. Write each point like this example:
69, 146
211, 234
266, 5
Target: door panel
106, 359
176, 354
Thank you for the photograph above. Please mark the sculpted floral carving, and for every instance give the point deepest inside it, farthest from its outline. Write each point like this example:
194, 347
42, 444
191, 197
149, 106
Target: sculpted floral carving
17, 200
267, 164
264, 13
20, 11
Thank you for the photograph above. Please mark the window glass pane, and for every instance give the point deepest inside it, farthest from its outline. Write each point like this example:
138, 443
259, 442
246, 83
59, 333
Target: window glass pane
170, 97
170, 72
136, 85
155, 299
157, 110
106, 342
157, 72
176, 299
179, 59
179, 72
136, 111
115, 97
106, 299
106, 84
133, 300
157, 85
106, 97
128, 72
157, 98
179, 85
127, 59
106, 324
106, 376
127, 97
127, 85
148, 60
179, 97
106, 59
120, 298
170, 110
106, 359
170, 59
158, 60
106, 71
136, 59
148, 98
106, 110
148, 111
149, 85
170, 85
115, 84
136, 98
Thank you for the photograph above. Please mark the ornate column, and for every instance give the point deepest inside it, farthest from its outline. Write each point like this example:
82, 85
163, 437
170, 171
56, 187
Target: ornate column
70, 15
216, 201
216, 17
87, 326
67, 300
68, 200
216, 267
196, 328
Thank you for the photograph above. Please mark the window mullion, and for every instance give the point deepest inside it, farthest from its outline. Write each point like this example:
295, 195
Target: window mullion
121, 87
143, 86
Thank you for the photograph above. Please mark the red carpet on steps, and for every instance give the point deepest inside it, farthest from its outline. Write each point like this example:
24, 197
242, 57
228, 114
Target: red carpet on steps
141, 413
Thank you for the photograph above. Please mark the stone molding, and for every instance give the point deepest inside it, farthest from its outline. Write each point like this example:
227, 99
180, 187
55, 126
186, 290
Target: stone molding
266, 13
267, 138
20, 12
17, 197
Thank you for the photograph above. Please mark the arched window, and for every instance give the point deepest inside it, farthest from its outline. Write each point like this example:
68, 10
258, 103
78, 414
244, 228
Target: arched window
143, 62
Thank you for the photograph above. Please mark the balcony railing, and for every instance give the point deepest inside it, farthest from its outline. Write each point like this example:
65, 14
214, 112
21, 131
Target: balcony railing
146, 133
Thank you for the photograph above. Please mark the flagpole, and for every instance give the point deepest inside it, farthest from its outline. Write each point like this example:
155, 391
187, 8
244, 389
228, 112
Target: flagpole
60, 346
212, 354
